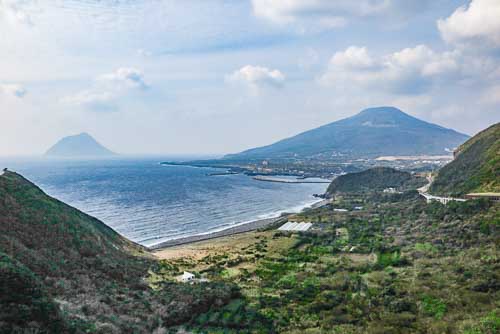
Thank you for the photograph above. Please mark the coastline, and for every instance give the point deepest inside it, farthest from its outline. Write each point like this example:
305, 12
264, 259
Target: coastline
281, 180
238, 229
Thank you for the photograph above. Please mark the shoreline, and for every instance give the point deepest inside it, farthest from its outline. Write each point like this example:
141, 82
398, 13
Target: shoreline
238, 229
281, 180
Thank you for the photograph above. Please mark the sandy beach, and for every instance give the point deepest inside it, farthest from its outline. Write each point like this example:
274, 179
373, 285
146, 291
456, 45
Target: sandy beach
247, 227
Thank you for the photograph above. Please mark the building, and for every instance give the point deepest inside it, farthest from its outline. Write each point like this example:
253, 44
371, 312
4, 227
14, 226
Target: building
391, 190
295, 227
186, 277
491, 196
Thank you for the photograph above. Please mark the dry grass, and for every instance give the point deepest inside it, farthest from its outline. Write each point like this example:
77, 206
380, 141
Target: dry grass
233, 244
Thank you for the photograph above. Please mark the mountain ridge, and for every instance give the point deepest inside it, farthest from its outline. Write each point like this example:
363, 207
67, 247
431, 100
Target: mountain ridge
369, 133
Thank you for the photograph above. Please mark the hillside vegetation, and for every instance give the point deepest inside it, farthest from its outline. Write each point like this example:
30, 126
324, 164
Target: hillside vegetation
397, 266
62, 271
374, 179
476, 167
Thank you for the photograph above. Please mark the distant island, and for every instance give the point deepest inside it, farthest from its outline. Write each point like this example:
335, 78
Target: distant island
81, 145
373, 132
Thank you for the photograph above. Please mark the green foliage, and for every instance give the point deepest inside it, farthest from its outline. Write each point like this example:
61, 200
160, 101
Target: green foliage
24, 303
392, 258
476, 167
236, 316
329, 283
425, 247
374, 179
434, 307
488, 324
488, 225
82, 262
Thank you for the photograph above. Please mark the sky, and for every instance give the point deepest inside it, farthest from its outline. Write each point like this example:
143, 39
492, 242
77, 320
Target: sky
221, 76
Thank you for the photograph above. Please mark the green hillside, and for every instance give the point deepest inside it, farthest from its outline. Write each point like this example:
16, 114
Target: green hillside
476, 167
374, 179
62, 271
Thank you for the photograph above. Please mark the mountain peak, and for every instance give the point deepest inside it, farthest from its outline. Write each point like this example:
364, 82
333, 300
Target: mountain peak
382, 117
83, 134
80, 145
384, 110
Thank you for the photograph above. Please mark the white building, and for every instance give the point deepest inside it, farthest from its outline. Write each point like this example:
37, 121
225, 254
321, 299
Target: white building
296, 227
186, 277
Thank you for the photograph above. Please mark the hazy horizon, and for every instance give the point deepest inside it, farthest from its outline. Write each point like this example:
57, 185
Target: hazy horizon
215, 77
192, 155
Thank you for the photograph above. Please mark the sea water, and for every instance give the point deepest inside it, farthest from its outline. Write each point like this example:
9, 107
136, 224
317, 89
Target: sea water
150, 203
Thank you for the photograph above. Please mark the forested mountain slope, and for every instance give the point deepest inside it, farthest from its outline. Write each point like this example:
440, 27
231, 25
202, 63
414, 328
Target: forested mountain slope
476, 167
63, 271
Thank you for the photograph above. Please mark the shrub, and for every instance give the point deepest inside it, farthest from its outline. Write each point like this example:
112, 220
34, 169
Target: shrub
434, 307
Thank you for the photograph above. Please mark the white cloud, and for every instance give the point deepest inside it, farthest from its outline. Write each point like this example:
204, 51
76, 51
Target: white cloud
15, 90
424, 61
257, 75
408, 71
15, 12
477, 23
127, 76
107, 90
311, 15
286, 11
353, 57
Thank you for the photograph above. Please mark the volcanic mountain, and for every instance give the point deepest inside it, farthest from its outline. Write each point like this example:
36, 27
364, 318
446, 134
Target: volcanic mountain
82, 145
372, 132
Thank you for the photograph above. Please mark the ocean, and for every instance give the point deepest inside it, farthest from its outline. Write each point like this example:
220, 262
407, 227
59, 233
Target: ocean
151, 203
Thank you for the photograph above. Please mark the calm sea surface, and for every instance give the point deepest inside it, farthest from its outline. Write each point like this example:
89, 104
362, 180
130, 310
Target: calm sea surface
150, 203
